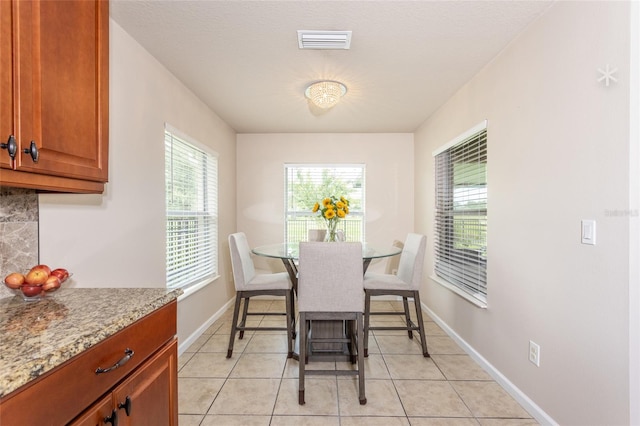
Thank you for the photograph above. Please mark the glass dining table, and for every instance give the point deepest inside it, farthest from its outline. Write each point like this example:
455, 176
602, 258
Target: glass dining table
288, 253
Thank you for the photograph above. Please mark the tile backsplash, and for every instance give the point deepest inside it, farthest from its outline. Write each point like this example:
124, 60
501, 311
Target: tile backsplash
18, 230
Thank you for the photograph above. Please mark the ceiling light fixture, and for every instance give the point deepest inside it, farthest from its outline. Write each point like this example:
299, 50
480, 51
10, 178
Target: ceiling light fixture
325, 94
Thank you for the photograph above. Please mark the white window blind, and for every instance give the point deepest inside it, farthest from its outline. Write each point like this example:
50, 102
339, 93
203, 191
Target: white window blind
191, 176
461, 213
306, 184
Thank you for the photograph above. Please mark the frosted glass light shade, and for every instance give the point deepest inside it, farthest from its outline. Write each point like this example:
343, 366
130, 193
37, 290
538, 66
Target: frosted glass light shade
325, 94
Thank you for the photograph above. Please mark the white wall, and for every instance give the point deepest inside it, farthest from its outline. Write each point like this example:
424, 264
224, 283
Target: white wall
118, 239
558, 146
389, 181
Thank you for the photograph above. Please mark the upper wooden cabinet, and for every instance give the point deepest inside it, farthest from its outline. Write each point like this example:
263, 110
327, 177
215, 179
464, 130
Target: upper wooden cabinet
54, 78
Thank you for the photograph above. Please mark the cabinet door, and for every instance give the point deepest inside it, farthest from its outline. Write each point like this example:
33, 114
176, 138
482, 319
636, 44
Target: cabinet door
99, 414
63, 86
7, 126
151, 392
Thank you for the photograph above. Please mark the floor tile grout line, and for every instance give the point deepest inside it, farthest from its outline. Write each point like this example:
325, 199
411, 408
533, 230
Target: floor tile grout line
381, 353
226, 379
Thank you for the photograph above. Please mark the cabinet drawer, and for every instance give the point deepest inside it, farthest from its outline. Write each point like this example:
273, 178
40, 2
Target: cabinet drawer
60, 395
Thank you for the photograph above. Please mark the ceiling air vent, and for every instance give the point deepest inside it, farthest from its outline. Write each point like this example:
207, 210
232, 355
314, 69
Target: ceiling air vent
324, 39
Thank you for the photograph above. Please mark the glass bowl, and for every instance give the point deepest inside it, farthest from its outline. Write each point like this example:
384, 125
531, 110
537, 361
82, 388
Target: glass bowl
33, 293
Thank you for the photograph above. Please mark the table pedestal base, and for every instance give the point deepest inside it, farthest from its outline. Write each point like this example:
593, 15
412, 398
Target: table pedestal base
328, 351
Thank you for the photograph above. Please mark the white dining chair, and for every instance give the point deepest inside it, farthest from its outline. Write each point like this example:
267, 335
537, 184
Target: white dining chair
393, 262
330, 287
249, 284
316, 234
406, 284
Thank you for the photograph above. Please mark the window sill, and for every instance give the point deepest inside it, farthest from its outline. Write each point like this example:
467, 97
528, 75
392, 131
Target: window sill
194, 288
471, 298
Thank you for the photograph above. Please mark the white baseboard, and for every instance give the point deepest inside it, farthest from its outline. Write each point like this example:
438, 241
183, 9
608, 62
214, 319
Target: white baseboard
526, 402
200, 330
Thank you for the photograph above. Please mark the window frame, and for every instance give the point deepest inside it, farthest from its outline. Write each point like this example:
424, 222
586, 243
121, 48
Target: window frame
448, 260
314, 222
207, 213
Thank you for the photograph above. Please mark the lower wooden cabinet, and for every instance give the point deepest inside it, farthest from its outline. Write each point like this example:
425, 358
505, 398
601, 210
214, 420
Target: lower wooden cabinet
137, 366
147, 397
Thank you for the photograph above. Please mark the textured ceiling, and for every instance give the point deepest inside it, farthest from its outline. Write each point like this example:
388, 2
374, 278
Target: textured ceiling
406, 57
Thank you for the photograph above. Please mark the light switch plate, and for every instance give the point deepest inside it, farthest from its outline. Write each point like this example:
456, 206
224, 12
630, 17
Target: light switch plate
589, 232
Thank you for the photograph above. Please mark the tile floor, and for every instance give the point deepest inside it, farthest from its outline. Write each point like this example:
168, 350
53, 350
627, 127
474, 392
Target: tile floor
259, 385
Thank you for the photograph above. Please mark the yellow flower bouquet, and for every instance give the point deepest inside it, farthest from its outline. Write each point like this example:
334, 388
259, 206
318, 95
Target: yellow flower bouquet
331, 211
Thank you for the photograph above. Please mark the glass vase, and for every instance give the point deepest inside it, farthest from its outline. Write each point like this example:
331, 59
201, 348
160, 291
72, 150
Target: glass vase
331, 231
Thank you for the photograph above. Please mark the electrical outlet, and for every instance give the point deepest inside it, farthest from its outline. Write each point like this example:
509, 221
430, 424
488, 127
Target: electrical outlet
534, 353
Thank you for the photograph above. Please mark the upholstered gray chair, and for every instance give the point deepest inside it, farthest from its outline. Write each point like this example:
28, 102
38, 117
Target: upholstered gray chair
249, 284
330, 287
406, 283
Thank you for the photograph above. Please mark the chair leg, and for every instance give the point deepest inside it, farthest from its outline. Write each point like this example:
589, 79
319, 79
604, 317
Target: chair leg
367, 312
244, 316
407, 316
360, 334
302, 323
288, 296
351, 332
292, 306
234, 323
423, 337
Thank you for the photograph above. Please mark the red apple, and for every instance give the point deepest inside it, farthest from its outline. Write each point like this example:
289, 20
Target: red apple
61, 273
52, 283
31, 290
14, 280
36, 277
44, 268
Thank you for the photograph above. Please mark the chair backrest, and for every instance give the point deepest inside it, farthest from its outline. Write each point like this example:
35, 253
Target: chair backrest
394, 261
340, 237
330, 277
241, 262
316, 234
412, 260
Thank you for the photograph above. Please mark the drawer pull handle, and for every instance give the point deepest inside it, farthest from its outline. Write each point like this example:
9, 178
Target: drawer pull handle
113, 418
128, 353
11, 146
126, 405
32, 151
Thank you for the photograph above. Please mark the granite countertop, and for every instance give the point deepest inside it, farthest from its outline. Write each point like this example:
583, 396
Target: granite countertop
38, 336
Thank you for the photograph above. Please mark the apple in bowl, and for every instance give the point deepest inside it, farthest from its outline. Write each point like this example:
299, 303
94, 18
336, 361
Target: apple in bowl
42, 267
61, 273
36, 277
31, 290
14, 280
52, 284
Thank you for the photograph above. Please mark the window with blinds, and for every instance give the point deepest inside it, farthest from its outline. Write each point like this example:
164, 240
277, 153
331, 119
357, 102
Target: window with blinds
191, 177
306, 184
461, 213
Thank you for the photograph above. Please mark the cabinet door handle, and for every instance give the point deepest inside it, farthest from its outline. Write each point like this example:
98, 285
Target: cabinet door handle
126, 405
113, 418
11, 146
128, 353
33, 151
